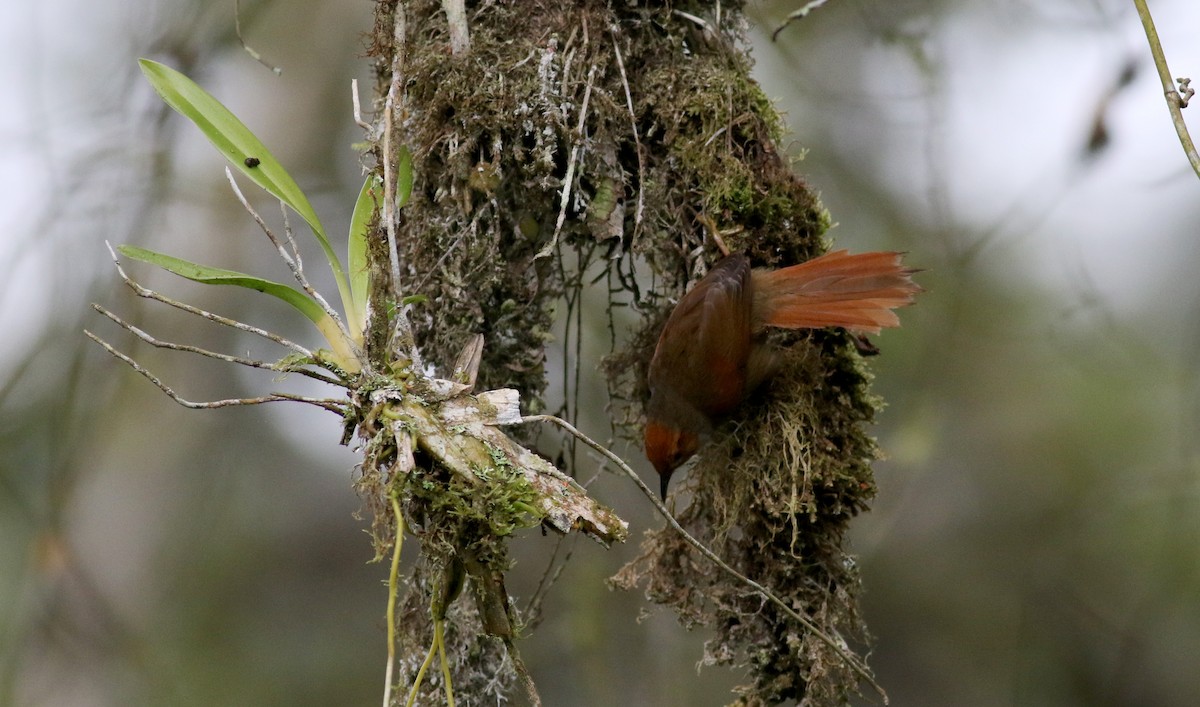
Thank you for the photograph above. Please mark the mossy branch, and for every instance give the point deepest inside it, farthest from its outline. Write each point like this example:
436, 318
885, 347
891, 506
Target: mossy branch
605, 131
434, 451
460, 434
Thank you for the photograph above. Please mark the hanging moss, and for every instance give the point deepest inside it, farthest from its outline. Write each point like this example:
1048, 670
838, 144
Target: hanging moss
540, 108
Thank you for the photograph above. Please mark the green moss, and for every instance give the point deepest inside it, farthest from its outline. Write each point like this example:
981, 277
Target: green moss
494, 137
776, 490
494, 504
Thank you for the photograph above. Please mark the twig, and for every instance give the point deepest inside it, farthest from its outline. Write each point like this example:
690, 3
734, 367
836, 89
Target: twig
237, 26
838, 646
700, 21
569, 179
147, 293
637, 141
1186, 91
358, 107
331, 404
1175, 102
797, 15
293, 263
535, 700
533, 609
471, 229
252, 363
714, 232
403, 328
287, 233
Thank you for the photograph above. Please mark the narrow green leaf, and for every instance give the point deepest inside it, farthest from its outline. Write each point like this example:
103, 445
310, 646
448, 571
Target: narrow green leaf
369, 198
245, 151
220, 276
230, 136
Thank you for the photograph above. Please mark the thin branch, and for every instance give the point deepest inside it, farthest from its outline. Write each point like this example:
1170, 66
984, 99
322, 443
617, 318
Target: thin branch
837, 645
797, 15
700, 22
358, 108
287, 233
331, 404
569, 179
637, 141
533, 609
402, 328
237, 25
147, 293
1175, 103
293, 263
252, 363
470, 230
531, 691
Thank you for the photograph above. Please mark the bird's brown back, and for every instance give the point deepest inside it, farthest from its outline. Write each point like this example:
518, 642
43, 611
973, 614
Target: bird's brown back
701, 358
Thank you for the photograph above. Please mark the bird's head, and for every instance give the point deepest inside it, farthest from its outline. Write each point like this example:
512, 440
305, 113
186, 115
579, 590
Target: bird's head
667, 448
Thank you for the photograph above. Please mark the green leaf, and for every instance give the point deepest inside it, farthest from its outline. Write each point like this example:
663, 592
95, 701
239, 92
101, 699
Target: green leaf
245, 151
368, 202
220, 276
230, 136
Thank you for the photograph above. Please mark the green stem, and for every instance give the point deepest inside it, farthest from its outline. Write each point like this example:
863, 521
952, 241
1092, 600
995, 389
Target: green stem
391, 605
439, 638
1174, 101
412, 696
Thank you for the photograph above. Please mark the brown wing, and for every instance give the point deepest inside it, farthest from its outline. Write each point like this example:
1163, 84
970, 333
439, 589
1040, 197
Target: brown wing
700, 361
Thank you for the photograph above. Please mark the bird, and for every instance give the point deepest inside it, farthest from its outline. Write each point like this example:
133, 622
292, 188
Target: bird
712, 352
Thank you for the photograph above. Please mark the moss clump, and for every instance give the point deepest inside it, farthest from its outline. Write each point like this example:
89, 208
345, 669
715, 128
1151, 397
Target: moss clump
493, 136
774, 494
451, 511
612, 132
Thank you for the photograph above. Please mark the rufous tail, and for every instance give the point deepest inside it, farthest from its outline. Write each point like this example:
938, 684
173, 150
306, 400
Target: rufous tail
857, 292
